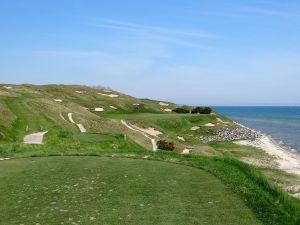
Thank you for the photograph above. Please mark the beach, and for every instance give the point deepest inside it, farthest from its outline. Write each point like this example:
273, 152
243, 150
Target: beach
285, 160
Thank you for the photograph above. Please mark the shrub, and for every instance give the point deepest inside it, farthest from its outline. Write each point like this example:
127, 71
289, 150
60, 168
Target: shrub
165, 145
180, 110
202, 110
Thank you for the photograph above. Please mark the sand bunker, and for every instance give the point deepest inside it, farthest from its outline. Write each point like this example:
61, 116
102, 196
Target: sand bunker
131, 127
187, 151
35, 138
209, 125
221, 121
99, 109
81, 128
195, 128
168, 110
8, 87
112, 107
136, 104
287, 161
163, 104
80, 92
180, 138
151, 131
57, 100
109, 95
70, 116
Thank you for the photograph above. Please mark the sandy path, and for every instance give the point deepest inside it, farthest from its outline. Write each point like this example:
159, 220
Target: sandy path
80, 126
35, 138
153, 142
286, 160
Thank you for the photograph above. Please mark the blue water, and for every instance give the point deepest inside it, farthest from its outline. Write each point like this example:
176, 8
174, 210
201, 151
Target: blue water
282, 123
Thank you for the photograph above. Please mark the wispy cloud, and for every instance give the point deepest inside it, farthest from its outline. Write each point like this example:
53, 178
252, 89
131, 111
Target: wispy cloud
139, 28
73, 54
158, 34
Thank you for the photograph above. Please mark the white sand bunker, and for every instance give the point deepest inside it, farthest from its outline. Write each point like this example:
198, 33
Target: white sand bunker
168, 110
109, 95
163, 104
209, 125
112, 107
80, 92
221, 121
36, 138
187, 151
57, 100
136, 104
80, 126
195, 128
100, 109
70, 116
180, 138
153, 142
151, 131
8, 87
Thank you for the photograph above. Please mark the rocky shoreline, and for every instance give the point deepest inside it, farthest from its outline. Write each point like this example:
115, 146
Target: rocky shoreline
228, 134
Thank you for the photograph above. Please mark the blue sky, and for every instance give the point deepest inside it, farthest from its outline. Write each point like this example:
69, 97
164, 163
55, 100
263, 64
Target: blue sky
206, 52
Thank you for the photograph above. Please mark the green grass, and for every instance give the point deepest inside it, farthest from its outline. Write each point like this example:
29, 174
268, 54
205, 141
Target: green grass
91, 190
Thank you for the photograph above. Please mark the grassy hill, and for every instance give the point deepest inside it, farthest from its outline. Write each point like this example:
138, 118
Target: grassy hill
209, 186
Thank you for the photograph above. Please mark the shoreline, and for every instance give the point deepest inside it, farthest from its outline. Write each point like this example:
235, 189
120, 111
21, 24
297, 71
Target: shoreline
285, 159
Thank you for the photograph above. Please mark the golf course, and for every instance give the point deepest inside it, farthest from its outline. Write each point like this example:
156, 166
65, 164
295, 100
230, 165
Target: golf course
81, 155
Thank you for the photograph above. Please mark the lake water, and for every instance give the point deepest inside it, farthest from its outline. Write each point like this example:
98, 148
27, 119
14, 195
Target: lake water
282, 123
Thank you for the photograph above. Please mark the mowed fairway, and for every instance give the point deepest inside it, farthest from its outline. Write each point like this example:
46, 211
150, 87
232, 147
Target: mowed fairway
95, 190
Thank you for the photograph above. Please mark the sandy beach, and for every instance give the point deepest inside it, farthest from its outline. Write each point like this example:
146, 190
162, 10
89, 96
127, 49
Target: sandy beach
285, 159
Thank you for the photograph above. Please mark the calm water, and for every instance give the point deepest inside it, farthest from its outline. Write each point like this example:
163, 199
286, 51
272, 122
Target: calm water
282, 123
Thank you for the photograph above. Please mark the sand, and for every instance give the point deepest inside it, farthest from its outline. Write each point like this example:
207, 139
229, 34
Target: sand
151, 131
286, 160
99, 109
153, 141
180, 138
163, 104
209, 125
81, 128
57, 100
195, 128
80, 92
168, 110
70, 116
187, 151
109, 95
35, 138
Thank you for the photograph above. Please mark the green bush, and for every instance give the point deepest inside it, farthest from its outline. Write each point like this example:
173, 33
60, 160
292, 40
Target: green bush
180, 110
202, 110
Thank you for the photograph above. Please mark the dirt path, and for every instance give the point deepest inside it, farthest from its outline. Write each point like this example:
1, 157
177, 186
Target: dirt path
35, 138
80, 126
153, 142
